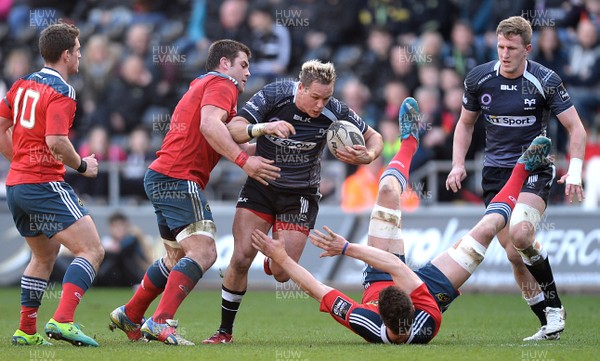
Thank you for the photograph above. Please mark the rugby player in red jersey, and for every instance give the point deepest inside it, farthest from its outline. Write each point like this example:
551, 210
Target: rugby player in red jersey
175, 181
35, 117
400, 305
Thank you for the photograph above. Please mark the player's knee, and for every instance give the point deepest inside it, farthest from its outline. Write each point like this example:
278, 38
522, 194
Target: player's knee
385, 223
240, 263
523, 223
204, 252
514, 257
487, 230
533, 254
95, 254
468, 253
46, 259
522, 235
389, 187
209, 256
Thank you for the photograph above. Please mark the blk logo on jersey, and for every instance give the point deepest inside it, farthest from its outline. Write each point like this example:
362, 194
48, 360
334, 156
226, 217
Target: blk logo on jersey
508, 87
301, 119
341, 307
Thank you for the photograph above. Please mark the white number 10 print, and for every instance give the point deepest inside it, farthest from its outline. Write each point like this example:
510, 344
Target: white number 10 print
30, 100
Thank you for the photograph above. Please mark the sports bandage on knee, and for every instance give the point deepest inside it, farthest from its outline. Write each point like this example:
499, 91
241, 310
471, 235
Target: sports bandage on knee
525, 213
533, 254
385, 223
172, 244
468, 253
202, 228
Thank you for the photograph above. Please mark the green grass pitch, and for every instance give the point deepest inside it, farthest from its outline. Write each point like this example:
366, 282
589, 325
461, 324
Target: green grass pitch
286, 326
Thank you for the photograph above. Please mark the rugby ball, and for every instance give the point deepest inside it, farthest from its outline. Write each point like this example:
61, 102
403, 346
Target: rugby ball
342, 133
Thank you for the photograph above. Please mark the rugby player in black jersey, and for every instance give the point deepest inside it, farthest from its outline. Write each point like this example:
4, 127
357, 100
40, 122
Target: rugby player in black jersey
296, 115
515, 97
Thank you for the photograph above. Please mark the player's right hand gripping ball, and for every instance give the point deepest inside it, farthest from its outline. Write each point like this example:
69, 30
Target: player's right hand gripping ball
342, 133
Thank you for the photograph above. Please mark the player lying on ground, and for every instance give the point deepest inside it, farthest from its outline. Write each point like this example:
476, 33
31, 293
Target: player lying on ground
400, 305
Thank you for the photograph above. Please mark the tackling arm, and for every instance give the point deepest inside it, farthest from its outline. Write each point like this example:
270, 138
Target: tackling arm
220, 139
216, 133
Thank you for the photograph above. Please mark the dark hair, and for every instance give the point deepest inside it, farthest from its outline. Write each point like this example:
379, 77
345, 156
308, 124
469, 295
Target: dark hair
224, 48
396, 309
55, 39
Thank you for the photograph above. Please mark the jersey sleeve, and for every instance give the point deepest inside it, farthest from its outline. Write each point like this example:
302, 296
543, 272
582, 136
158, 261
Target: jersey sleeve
220, 93
259, 105
5, 108
556, 94
360, 320
470, 100
59, 115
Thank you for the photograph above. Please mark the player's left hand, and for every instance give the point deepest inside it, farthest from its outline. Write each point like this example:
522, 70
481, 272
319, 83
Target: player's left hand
357, 154
573, 187
92, 166
272, 248
331, 242
261, 169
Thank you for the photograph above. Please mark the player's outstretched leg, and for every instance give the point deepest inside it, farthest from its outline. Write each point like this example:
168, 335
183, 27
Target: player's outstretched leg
385, 225
70, 332
119, 320
164, 332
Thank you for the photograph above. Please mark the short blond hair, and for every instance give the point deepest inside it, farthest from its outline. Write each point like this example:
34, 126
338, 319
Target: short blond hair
515, 25
315, 70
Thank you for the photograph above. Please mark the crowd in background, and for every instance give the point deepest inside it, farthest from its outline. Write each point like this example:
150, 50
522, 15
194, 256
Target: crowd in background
139, 56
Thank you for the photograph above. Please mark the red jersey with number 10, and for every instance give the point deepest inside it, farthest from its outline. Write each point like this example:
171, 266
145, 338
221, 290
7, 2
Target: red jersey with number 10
39, 104
185, 153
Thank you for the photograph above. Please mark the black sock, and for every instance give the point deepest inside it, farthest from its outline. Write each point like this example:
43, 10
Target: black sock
542, 272
538, 309
230, 303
